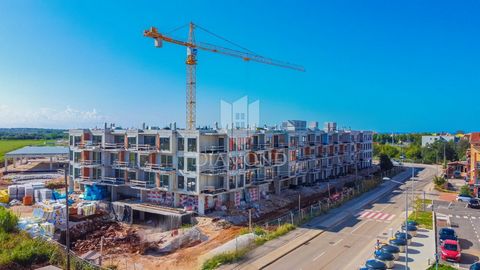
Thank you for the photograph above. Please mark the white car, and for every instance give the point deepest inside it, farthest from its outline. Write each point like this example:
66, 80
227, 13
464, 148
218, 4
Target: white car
463, 198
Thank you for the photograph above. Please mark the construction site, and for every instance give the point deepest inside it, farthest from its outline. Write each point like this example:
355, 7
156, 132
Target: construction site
152, 197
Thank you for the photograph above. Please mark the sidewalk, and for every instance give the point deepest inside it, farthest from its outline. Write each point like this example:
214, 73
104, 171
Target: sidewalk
421, 252
273, 250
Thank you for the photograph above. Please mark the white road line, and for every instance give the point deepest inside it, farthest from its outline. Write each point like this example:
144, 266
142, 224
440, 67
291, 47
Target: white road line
384, 216
377, 215
457, 216
371, 215
358, 227
365, 213
473, 218
449, 205
320, 255
390, 217
337, 242
465, 216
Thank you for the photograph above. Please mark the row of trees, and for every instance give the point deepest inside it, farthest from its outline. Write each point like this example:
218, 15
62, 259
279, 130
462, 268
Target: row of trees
31, 134
432, 153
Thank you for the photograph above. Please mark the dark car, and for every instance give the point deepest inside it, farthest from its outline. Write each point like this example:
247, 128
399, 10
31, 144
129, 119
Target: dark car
475, 266
447, 234
375, 265
474, 203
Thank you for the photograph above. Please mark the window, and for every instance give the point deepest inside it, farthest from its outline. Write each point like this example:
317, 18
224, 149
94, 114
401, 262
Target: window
150, 177
242, 116
191, 184
76, 157
150, 140
97, 173
76, 172
119, 174
180, 163
240, 181
132, 141
132, 159
237, 116
97, 139
119, 139
192, 145
132, 175
191, 164
180, 144
180, 182
166, 161
164, 181
70, 155
165, 144
231, 182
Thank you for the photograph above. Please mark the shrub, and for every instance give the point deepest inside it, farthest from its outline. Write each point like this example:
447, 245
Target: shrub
465, 190
439, 181
224, 258
279, 231
8, 220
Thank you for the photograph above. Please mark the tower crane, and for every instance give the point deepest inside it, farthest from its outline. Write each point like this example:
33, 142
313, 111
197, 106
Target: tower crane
191, 61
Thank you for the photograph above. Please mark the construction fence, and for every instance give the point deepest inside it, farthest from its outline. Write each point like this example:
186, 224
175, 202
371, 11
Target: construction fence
301, 215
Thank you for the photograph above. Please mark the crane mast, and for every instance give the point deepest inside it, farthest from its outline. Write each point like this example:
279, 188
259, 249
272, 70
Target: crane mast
191, 62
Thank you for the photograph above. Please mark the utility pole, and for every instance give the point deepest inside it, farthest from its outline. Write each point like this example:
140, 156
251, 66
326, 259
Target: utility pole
406, 226
250, 219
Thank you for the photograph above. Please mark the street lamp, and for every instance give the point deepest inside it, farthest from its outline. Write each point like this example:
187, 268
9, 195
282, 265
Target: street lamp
406, 213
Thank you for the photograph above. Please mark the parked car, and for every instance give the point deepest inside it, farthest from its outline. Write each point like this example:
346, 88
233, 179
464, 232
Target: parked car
451, 250
463, 198
474, 203
447, 234
375, 265
475, 266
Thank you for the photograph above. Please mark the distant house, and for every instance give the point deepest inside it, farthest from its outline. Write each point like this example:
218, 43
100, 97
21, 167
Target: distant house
426, 140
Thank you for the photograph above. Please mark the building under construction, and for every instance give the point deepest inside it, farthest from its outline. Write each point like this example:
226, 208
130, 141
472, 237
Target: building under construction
205, 169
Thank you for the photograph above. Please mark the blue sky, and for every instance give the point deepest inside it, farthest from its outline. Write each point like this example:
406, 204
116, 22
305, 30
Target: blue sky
381, 65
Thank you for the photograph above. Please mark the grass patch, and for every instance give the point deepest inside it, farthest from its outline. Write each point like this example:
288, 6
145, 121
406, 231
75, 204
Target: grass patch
224, 258
442, 267
10, 145
424, 219
264, 236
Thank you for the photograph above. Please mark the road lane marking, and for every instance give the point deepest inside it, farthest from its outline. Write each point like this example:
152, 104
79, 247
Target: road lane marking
358, 227
465, 216
449, 205
377, 215
338, 242
320, 255
390, 217
371, 214
384, 216
473, 218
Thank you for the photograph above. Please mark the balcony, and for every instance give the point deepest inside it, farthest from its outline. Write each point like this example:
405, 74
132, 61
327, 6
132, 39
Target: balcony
123, 165
213, 189
114, 146
213, 170
90, 163
111, 181
153, 167
142, 148
141, 184
213, 149
89, 145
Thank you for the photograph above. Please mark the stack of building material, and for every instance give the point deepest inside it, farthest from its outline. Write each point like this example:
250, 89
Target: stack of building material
86, 209
43, 194
12, 192
4, 198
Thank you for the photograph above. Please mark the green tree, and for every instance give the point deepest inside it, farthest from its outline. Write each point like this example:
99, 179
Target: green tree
461, 148
385, 162
465, 190
414, 152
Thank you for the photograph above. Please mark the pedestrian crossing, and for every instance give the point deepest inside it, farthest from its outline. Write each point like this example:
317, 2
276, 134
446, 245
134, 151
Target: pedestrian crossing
376, 215
463, 217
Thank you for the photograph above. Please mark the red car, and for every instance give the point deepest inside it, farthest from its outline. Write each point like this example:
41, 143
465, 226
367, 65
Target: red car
451, 250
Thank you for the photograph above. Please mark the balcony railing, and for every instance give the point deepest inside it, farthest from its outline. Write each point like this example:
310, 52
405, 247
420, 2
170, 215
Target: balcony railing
158, 167
141, 183
213, 189
142, 147
112, 180
213, 149
88, 145
213, 170
90, 163
114, 146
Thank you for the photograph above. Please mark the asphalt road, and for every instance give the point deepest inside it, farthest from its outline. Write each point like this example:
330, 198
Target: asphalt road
466, 222
348, 244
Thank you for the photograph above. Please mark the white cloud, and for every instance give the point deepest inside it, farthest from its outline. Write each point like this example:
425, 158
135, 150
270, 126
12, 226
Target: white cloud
50, 117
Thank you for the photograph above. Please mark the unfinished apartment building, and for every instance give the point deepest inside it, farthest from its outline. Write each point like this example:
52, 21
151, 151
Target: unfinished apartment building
204, 169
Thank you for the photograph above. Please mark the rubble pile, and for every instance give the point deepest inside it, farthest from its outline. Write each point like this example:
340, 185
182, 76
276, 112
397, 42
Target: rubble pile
116, 238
